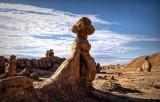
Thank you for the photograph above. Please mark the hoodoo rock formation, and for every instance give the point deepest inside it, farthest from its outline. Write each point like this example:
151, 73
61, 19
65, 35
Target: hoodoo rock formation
50, 53
146, 67
71, 82
98, 67
75, 75
10, 67
2, 63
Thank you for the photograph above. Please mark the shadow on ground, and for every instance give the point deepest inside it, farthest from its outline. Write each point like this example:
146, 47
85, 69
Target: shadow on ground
119, 98
127, 90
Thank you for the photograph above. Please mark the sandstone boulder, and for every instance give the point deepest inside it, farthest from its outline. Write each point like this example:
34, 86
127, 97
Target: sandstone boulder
47, 62
16, 81
146, 67
21, 63
34, 63
24, 72
34, 76
40, 64
50, 53
2, 63
98, 67
28, 64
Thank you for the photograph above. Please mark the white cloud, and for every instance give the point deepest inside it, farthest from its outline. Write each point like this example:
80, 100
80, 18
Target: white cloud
29, 31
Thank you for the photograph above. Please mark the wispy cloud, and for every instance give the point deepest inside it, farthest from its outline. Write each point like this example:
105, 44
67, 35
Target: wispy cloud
27, 30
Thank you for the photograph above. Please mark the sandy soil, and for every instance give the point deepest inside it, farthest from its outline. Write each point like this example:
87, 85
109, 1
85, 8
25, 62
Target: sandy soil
131, 85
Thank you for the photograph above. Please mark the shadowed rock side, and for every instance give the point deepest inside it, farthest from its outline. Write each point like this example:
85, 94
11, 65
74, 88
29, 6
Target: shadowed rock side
71, 82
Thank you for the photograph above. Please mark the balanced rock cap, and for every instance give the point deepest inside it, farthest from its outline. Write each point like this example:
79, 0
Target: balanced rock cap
83, 25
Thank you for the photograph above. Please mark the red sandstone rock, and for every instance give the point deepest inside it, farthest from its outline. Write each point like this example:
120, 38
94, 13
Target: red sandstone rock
28, 64
34, 76
24, 72
2, 64
10, 67
50, 53
40, 64
79, 67
34, 63
98, 67
16, 81
146, 67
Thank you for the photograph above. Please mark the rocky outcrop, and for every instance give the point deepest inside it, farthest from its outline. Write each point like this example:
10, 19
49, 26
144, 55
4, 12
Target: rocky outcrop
34, 76
16, 81
98, 67
2, 63
50, 53
137, 63
10, 67
24, 72
14, 89
21, 63
28, 64
42, 63
146, 66
118, 66
34, 63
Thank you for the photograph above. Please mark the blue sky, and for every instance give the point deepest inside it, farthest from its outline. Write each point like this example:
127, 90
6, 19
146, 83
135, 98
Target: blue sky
125, 29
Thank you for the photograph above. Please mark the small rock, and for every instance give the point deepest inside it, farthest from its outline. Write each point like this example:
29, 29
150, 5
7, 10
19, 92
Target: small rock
34, 76
25, 72
112, 77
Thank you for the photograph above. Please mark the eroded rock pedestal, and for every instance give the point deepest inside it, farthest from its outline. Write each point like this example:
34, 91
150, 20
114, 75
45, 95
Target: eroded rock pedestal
73, 79
10, 67
146, 67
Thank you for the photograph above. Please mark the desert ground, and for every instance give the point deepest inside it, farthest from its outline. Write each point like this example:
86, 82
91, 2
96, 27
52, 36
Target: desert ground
122, 86
129, 85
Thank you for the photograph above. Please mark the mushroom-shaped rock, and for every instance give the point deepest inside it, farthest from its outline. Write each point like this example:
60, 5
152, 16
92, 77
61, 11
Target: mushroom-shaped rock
78, 71
83, 25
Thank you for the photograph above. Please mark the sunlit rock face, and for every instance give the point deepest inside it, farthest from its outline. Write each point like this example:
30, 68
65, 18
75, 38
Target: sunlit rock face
80, 66
75, 75
10, 67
